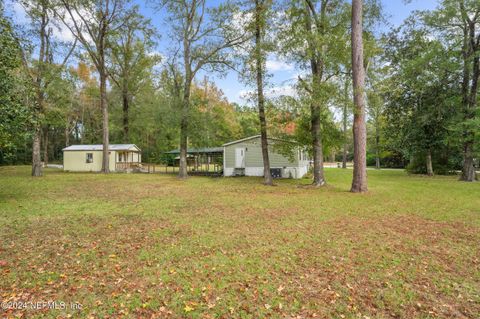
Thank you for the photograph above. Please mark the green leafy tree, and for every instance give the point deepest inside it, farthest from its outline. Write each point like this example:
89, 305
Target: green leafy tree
41, 69
131, 60
256, 19
316, 39
93, 23
203, 37
458, 22
421, 109
215, 121
15, 92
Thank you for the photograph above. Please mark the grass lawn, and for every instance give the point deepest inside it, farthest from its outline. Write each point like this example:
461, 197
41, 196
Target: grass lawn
151, 246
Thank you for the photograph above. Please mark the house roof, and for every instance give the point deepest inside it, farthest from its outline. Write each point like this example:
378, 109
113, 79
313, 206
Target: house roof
99, 147
254, 137
203, 150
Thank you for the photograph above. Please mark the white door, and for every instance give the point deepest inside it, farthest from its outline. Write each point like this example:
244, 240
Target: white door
240, 158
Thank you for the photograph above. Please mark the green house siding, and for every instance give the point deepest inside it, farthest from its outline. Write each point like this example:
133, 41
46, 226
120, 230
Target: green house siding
253, 155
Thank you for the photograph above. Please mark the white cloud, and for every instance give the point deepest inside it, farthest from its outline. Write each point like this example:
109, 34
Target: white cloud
275, 65
278, 91
240, 20
59, 30
245, 94
300, 73
270, 93
62, 33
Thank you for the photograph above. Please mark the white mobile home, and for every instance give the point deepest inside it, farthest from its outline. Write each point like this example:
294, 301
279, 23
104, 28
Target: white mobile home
244, 157
88, 158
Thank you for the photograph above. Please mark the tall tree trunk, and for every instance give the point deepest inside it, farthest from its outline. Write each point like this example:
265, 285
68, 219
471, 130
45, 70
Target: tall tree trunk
318, 172
259, 23
182, 173
36, 157
468, 171
67, 133
345, 120
53, 153
125, 115
429, 163
101, 67
45, 145
316, 66
469, 101
104, 107
359, 182
377, 145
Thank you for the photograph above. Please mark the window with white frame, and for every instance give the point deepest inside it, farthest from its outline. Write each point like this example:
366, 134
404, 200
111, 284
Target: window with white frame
89, 158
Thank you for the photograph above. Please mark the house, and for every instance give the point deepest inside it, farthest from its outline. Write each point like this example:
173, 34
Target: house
88, 158
244, 157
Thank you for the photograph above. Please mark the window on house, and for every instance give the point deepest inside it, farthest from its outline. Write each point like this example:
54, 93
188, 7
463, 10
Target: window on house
89, 157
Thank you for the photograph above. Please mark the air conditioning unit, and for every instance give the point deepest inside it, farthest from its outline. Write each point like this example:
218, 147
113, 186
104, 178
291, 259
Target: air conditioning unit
276, 172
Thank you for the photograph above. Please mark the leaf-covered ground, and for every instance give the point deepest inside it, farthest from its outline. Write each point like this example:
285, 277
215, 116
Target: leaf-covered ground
151, 246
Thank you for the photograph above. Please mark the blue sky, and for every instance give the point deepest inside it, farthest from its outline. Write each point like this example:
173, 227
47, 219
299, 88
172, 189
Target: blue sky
282, 73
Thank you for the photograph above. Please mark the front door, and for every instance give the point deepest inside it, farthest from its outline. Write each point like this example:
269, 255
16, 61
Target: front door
240, 158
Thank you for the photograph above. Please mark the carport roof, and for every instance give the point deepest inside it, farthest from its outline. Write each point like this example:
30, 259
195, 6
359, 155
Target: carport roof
258, 136
204, 150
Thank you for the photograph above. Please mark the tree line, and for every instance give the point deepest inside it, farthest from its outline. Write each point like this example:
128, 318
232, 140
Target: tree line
407, 97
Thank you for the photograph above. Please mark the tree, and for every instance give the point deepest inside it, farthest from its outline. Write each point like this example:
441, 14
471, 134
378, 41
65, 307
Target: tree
261, 7
256, 19
375, 112
375, 92
345, 112
85, 119
39, 15
203, 40
469, 15
93, 22
42, 70
43, 58
59, 106
316, 39
130, 60
359, 181
15, 92
458, 21
420, 92
214, 119
316, 64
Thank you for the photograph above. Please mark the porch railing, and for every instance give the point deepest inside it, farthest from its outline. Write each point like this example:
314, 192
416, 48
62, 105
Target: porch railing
123, 166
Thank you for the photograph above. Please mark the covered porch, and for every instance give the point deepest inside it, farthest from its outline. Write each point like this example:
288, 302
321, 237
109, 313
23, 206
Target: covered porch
128, 158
